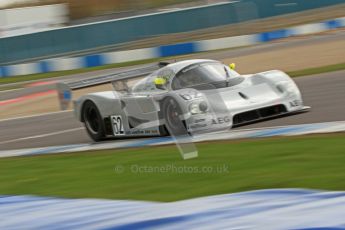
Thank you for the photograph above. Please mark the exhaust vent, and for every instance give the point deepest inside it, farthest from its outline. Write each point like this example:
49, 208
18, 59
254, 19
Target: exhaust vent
243, 96
258, 114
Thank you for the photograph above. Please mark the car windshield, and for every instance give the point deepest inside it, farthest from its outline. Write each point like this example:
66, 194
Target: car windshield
204, 76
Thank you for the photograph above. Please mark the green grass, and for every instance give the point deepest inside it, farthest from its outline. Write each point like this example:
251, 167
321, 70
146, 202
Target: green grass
317, 70
315, 162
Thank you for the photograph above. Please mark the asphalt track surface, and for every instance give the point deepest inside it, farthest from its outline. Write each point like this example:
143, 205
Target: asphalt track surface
325, 93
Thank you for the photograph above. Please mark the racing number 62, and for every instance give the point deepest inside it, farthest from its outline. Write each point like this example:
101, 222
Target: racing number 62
117, 125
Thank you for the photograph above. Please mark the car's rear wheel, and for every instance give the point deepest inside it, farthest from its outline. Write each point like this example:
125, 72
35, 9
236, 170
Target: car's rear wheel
93, 121
172, 116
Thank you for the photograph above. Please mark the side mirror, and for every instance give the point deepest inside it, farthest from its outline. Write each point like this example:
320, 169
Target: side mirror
160, 83
232, 66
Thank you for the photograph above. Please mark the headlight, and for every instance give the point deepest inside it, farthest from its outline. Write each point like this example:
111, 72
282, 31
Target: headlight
194, 108
191, 95
198, 107
203, 106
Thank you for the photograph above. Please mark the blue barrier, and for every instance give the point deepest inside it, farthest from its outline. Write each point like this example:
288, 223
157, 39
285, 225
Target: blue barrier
334, 24
177, 49
93, 60
112, 32
163, 51
5, 71
44, 67
273, 35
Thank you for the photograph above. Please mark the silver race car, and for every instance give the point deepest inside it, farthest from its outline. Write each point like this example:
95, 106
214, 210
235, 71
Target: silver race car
191, 97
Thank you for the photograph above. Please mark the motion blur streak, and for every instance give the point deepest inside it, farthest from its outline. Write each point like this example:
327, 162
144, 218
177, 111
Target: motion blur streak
294, 130
27, 97
246, 210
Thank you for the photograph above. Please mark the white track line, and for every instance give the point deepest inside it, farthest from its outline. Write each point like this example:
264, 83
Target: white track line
36, 115
10, 90
42, 135
282, 126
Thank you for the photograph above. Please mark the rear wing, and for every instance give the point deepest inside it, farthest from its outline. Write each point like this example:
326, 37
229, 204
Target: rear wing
65, 89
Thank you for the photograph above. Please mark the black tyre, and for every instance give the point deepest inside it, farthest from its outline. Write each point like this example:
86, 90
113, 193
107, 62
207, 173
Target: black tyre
93, 121
171, 113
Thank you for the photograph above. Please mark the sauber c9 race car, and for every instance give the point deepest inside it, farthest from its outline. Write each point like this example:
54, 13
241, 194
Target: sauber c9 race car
192, 97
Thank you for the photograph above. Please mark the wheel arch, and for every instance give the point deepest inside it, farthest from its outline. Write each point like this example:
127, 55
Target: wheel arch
106, 104
82, 108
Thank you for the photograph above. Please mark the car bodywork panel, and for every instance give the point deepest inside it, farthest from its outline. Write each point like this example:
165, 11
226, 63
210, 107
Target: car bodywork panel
253, 97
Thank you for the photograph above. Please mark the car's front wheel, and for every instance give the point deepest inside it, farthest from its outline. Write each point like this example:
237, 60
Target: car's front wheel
93, 121
172, 116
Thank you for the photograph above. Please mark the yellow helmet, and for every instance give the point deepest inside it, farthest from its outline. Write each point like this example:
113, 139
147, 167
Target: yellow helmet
160, 81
